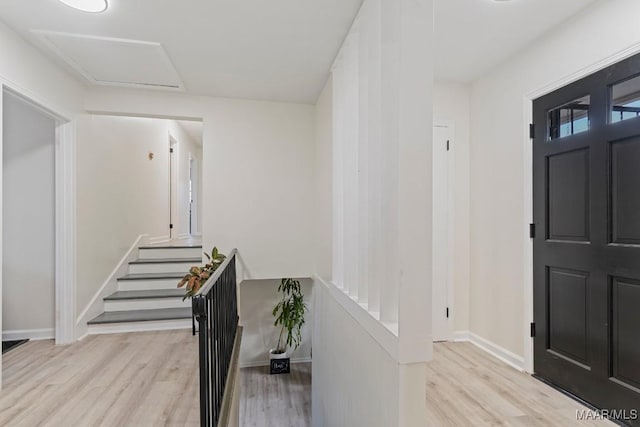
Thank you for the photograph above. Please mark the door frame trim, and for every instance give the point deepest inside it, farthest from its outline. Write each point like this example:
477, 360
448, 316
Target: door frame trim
65, 208
527, 192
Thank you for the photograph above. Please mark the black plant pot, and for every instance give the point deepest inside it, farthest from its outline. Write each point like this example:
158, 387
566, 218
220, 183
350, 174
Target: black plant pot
279, 363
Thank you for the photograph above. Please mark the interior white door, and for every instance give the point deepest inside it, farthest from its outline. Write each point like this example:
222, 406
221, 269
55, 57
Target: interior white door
441, 232
193, 201
173, 188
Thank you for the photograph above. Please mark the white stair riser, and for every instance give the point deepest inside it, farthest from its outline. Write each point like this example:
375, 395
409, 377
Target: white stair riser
147, 285
156, 325
145, 304
170, 253
171, 267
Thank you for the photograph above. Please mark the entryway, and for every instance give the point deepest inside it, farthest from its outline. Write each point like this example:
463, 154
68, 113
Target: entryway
586, 271
38, 220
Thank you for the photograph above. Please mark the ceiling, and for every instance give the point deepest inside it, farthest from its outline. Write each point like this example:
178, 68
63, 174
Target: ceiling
258, 49
278, 50
473, 36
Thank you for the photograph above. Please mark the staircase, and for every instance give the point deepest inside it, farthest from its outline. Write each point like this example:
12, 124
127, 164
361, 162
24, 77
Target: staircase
147, 298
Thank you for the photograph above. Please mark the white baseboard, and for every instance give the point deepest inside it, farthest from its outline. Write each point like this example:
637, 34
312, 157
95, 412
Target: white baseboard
267, 363
511, 359
29, 334
110, 285
461, 336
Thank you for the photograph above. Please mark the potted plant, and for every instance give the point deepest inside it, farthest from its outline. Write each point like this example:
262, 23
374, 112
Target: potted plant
289, 314
198, 276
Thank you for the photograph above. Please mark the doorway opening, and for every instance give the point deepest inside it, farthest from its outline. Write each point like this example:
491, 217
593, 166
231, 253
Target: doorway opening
38, 217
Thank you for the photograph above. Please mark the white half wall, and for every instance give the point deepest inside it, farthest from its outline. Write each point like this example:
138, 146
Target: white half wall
28, 219
355, 381
500, 251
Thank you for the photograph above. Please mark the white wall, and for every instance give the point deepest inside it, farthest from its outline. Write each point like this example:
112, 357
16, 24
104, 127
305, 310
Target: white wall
121, 194
28, 221
257, 177
323, 207
259, 335
500, 160
258, 185
26, 70
451, 103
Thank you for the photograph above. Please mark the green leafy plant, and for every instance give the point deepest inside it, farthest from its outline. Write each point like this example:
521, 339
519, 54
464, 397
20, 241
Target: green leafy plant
289, 314
198, 276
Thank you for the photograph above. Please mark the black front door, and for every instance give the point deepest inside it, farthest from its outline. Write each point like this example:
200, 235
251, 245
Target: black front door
586, 190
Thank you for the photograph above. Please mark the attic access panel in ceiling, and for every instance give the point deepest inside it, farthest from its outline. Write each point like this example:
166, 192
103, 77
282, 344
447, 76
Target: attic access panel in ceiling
115, 62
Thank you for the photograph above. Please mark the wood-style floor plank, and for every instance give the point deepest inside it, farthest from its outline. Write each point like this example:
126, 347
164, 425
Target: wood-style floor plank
151, 379
137, 379
276, 400
466, 386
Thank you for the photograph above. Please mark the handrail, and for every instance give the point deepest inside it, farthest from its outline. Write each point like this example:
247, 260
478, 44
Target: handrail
216, 275
215, 307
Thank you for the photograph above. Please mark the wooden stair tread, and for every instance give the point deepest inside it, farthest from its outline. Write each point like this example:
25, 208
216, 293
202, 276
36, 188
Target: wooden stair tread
142, 315
171, 247
147, 294
153, 276
167, 261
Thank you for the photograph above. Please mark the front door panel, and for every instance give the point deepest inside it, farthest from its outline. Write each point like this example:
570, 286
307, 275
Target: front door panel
586, 163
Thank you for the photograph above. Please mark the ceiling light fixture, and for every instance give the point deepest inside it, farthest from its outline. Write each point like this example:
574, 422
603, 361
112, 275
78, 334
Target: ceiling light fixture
93, 6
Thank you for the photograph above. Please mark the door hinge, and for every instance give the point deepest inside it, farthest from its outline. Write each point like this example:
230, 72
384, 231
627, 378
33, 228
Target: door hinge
533, 329
170, 150
447, 312
532, 231
447, 145
532, 131
170, 226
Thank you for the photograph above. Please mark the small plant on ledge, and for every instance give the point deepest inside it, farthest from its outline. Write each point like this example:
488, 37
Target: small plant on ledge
198, 276
289, 314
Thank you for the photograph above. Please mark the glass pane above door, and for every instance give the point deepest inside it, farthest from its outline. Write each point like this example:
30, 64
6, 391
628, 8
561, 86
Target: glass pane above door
625, 100
569, 119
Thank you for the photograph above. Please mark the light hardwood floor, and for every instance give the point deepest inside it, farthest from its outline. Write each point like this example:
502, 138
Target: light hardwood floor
139, 379
150, 379
468, 387
276, 400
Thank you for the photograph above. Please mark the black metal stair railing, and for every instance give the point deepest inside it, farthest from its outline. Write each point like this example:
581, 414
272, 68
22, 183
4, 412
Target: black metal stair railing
215, 308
